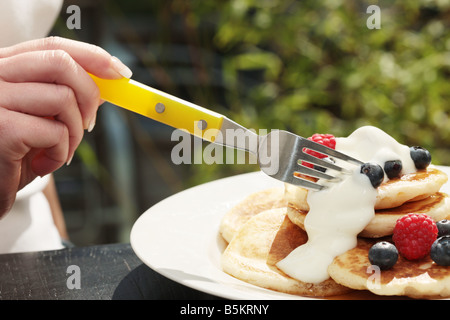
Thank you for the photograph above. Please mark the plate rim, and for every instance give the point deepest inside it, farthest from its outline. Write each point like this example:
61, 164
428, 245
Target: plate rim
236, 294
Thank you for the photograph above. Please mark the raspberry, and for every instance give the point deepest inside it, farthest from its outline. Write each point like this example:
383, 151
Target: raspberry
324, 139
414, 234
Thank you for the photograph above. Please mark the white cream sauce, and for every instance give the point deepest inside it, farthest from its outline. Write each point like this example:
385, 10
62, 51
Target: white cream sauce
340, 212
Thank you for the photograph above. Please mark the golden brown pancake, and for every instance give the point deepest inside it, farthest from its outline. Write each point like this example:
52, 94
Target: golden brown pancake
259, 244
409, 187
421, 279
437, 206
391, 194
247, 208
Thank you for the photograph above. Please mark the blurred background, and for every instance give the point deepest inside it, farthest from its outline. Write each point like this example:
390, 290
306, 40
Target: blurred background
303, 66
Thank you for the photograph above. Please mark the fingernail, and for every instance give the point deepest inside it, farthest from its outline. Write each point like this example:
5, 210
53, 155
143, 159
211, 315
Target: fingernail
69, 161
122, 69
91, 124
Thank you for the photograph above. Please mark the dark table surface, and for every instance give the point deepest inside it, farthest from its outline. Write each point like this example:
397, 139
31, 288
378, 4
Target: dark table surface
113, 272
103, 272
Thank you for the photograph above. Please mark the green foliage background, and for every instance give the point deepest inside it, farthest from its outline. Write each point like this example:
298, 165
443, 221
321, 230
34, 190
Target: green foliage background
322, 70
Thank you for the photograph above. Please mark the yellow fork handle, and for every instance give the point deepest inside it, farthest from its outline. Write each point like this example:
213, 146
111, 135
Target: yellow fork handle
160, 106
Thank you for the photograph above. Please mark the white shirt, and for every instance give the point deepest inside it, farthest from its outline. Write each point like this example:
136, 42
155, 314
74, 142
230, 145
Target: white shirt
22, 20
29, 225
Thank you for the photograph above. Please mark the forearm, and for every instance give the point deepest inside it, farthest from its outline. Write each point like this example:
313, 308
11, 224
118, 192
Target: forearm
51, 194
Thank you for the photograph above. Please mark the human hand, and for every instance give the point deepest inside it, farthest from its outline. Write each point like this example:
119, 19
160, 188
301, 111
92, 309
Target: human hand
47, 100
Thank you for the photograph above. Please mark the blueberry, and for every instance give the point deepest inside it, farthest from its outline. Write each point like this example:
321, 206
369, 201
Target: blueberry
383, 254
374, 172
393, 168
443, 228
420, 156
440, 251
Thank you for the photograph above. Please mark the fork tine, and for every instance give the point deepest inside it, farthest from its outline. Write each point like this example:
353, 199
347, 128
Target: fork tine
298, 181
328, 151
322, 163
315, 173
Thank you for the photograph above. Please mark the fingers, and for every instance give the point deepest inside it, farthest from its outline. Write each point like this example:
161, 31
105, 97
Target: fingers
31, 147
54, 67
91, 58
40, 144
44, 79
46, 100
59, 61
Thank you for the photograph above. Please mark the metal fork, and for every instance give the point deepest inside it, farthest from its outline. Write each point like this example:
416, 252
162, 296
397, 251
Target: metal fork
286, 149
288, 152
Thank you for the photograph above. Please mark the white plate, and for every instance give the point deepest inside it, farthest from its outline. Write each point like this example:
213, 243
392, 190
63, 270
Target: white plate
179, 237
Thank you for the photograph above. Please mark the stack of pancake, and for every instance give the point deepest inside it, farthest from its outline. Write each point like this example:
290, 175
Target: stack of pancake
266, 226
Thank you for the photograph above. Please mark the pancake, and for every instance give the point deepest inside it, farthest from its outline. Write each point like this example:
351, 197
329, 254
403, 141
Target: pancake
259, 244
247, 208
437, 206
409, 187
421, 279
391, 194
